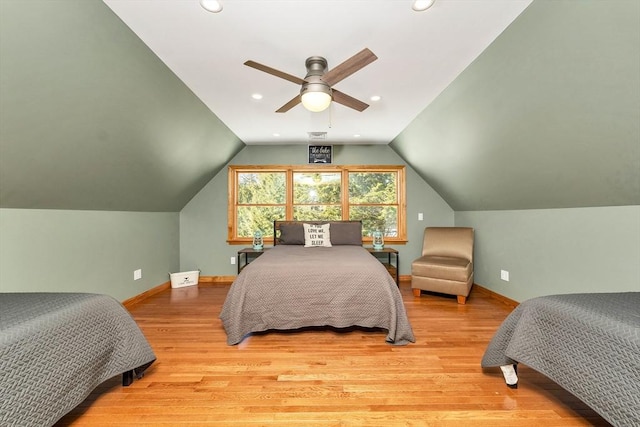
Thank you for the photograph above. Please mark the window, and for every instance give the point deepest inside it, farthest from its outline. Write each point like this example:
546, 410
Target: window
258, 195
317, 195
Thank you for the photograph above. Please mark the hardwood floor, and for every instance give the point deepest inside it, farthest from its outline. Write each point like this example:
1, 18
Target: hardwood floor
325, 377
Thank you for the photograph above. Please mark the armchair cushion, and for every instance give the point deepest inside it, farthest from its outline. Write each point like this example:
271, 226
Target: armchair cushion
437, 267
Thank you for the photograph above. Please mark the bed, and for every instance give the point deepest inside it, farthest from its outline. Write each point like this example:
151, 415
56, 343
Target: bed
55, 348
333, 282
589, 344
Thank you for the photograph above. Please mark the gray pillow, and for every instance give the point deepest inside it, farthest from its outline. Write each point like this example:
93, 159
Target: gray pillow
346, 233
291, 234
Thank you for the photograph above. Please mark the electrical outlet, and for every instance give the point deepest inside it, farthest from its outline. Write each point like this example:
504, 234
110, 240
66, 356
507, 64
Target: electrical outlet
233, 260
137, 274
504, 275
420, 216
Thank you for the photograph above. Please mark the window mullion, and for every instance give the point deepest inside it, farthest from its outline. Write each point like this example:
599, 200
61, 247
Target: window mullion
289, 195
232, 203
345, 193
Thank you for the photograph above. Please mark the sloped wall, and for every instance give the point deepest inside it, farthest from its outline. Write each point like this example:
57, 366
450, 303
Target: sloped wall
548, 116
92, 119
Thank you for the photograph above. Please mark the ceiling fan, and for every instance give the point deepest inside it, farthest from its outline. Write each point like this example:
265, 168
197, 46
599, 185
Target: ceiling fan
317, 92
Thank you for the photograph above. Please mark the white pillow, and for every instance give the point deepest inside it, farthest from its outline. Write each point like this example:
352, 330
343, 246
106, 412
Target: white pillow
316, 235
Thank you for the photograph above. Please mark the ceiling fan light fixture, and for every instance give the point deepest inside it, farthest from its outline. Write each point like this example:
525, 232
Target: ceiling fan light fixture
315, 97
213, 6
315, 91
420, 5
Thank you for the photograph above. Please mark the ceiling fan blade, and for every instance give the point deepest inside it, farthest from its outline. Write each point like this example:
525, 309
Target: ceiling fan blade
348, 101
274, 72
289, 105
348, 67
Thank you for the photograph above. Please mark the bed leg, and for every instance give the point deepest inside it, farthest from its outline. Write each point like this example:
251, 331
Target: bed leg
510, 373
127, 378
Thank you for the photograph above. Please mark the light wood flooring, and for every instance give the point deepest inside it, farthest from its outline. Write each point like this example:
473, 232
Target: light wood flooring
325, 377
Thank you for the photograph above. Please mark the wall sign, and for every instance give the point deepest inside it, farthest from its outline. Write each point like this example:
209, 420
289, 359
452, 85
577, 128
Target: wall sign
320, 153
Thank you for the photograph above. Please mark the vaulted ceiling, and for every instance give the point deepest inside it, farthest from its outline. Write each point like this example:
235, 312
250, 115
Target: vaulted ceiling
547, 115
418, 55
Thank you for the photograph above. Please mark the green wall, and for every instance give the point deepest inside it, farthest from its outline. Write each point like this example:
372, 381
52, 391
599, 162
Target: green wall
86, 251
548, 116
553, 251
203, 222
92, 119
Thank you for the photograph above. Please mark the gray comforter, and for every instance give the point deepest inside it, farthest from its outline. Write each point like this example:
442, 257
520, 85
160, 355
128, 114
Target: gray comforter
587, 343
55, 348
291, 287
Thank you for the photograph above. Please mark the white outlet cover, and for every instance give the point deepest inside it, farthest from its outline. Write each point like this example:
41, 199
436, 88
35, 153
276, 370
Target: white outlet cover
233, 260
137, 274
420, 216
504, 275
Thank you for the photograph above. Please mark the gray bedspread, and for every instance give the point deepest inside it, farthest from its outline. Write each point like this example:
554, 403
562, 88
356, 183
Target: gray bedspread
291, 287
587, 343
55, 348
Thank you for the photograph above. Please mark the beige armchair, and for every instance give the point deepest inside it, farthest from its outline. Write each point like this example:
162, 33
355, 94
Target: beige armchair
446, 264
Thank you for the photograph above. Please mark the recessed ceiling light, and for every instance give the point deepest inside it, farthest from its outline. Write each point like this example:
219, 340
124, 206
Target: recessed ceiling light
276, 134
420, 5
357, 135
375, 98
214, 6
256, 96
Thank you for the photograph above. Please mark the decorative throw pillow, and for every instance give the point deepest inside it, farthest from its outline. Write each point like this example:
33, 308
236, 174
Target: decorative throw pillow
316, 235
291, 234
346, 233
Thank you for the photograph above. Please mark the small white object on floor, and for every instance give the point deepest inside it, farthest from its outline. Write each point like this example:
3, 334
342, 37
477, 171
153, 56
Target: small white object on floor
510, 375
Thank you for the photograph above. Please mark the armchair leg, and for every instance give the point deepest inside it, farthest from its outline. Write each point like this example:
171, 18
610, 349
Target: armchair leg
462, 299
416, 292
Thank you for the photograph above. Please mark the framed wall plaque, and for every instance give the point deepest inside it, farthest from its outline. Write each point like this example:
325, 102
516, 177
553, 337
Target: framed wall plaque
320, 153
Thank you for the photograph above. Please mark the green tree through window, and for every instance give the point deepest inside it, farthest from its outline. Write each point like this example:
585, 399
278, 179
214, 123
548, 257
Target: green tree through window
261, 198
317, 196
373, 199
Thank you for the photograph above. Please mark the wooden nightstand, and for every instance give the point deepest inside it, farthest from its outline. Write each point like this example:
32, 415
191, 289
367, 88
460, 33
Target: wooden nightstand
249, 255
384, 255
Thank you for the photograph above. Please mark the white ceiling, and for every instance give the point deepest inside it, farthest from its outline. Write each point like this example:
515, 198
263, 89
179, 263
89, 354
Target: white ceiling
419, 55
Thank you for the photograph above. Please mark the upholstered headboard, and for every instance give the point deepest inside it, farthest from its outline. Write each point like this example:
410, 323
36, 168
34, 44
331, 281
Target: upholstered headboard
341, 232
